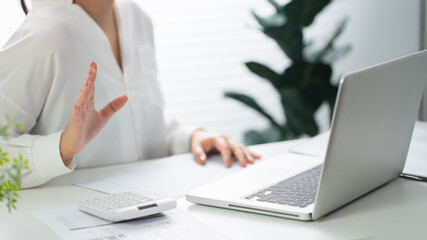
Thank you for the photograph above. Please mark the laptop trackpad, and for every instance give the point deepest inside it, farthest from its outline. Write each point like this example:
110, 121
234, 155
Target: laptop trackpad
263, 173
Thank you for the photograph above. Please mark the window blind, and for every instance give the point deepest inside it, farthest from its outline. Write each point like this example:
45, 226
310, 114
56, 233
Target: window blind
201, 49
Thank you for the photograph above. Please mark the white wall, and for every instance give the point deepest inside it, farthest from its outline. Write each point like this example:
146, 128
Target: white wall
201, 47
11, 17
378, 30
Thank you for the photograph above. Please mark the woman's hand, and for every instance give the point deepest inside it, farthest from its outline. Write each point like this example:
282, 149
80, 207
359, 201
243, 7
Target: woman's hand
203, 142
85, 122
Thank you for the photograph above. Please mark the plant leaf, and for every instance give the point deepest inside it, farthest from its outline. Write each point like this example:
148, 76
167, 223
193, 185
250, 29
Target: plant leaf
303, 75
250, 102
275, 5
289, 38
272, 21
329, 47
303, 12
299, 112
336, 54
264, 72
20, 127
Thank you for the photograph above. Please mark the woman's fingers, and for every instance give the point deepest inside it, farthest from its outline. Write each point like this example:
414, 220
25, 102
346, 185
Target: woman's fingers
255, 155
85, 101
89, 82
203, 142
108, 111
81, 100
199, 147
222, 146
249, 157
94, 65
89, 77
87, 93
199, 154
238, 152
90, 104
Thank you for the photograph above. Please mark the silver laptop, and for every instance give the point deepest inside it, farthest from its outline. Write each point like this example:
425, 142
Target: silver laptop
371, 130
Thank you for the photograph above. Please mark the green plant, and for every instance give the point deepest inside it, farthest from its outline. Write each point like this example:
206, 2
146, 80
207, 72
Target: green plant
10, 170
306, 83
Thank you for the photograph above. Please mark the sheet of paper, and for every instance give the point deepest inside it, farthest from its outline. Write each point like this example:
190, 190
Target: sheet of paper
416, 162
166, 177
315, 146
69, 223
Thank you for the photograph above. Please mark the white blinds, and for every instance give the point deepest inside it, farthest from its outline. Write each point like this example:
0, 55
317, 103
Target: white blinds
201, 48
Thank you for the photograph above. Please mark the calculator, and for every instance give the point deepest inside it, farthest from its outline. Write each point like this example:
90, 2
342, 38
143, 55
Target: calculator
125, 206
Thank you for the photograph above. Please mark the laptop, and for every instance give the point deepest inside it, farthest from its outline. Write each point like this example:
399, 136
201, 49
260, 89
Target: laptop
372, 125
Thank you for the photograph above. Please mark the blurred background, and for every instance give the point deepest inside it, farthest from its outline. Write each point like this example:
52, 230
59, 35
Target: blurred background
202, 46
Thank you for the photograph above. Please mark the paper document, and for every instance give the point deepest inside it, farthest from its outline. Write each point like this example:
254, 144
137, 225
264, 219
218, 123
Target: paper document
69, 223
416, 162
315, 146
167, 177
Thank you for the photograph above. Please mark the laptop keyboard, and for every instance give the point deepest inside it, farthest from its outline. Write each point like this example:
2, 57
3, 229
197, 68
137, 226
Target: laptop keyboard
299, 190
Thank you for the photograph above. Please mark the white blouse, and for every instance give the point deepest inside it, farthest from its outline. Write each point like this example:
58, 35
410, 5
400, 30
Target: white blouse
44, 65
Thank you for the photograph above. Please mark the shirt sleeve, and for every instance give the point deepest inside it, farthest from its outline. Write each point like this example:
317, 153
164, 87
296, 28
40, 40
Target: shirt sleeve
24, 86
179, 137
42, 153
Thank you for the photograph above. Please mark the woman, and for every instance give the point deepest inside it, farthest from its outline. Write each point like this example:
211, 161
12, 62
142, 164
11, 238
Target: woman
43, 67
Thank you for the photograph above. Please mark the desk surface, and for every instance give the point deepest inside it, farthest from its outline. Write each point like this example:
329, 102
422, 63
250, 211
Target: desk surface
397, 210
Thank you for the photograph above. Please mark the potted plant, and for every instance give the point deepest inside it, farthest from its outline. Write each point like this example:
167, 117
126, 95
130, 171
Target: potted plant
306, 83
10, 170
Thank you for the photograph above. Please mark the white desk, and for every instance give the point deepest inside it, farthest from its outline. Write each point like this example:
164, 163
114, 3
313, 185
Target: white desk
398, 210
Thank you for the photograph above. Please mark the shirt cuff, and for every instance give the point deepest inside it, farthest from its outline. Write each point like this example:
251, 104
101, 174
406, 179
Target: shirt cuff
47, 157
181, 139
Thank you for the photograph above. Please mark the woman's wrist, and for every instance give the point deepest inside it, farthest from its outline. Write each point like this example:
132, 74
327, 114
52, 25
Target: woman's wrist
66, 157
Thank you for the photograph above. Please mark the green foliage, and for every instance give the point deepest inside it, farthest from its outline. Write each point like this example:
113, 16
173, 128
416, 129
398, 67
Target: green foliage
10, 170
264, 72
250, 102
5, 131
303, 12
306, 83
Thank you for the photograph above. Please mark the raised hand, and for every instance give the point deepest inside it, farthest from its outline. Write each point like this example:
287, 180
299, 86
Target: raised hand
85, 121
